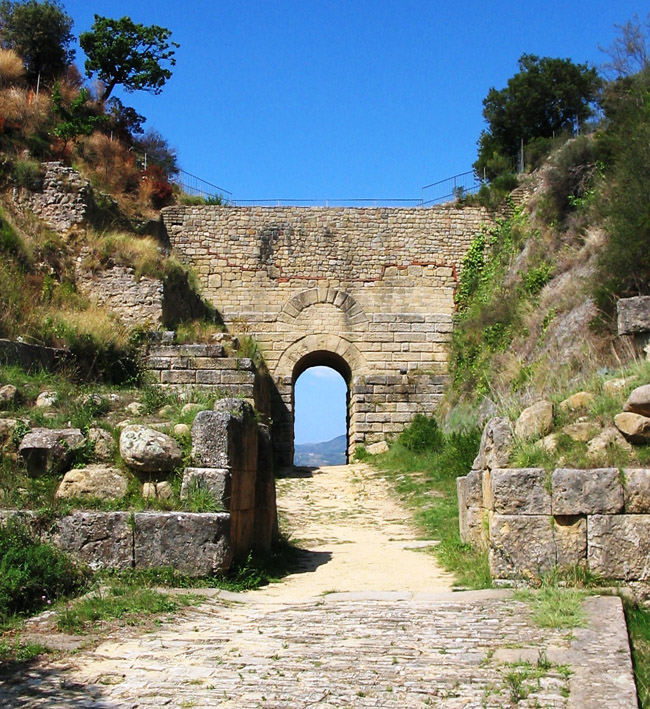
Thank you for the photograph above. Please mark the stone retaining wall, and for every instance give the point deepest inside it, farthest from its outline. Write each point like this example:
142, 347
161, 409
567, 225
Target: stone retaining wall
31, 357
533, 521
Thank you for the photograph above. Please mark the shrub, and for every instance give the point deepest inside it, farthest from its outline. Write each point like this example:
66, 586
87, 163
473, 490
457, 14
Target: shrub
422, 434
28, 174
32, 574
155, 187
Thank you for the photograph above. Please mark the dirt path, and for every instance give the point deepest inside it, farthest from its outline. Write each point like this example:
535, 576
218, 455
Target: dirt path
358, 537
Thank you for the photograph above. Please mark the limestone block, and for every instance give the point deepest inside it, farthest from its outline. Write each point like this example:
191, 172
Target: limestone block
570, 534
46, 450
217, 481
103, 540
522, 491
474, 488
146, 450
636, 486
613, 386
496, 445
535, 421
593, 491
619, 546
634, 427
94, 481
521, 546
46, 399
633, 315
638, 402
194, 544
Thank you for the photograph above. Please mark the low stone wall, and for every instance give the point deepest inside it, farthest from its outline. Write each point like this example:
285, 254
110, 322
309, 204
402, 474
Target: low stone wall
31, 357
533, 521
197, 544
207, 367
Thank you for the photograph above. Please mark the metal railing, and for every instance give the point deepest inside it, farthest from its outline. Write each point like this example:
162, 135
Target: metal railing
361, 202
193, 185
450, 189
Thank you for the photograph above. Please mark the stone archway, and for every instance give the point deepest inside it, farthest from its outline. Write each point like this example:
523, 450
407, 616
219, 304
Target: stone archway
310, 351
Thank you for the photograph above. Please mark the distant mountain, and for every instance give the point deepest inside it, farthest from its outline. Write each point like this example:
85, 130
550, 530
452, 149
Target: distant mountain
326, 453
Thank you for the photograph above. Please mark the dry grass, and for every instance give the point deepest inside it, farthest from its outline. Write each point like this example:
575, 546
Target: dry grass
26, 111
111, 162
140, 253
12, 71
94, 321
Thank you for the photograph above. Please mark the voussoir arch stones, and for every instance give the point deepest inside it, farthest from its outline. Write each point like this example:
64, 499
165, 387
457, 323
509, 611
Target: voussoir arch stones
324, 342
314, 296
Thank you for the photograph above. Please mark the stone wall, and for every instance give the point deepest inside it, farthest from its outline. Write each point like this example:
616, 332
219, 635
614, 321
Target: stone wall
33, 357
65, 198
368, 292
207, 366
134, 301
533, 521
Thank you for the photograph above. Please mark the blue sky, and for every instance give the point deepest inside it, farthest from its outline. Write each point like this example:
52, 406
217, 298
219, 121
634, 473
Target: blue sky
343, 99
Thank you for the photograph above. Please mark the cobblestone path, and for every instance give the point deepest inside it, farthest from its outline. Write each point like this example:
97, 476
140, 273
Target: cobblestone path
297, 645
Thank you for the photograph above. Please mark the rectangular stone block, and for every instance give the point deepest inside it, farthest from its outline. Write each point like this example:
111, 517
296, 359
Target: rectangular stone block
636, 487
570, 540
178, 376
197, 544
619, 546
217, 481
520, 491
103, 540
521, 546
579, 492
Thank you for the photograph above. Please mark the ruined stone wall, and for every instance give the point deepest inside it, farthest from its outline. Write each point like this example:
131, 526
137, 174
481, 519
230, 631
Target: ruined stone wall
533, 521
368, 291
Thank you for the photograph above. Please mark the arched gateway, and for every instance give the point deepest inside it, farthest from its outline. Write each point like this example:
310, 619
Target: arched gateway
368, 292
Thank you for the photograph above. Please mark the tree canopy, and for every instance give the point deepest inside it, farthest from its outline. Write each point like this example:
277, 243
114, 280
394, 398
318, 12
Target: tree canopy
124, 53
40, 32
545, 97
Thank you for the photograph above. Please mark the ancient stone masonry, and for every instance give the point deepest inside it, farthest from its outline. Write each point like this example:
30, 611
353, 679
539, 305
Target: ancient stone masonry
65, 199
368, 292
532, 521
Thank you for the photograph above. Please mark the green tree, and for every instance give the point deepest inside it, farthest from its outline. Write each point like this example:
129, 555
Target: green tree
40, 32
127, 54
547, 96
76, 119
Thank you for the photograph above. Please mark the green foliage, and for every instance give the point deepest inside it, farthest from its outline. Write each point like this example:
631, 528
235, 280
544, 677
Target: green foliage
422, 433
555, 605
638, 625
124, 601
624, 261
28, 174
570, 177
545, 97
32, 574
123, 53
537, 277
40, 32
201, 499
76, 119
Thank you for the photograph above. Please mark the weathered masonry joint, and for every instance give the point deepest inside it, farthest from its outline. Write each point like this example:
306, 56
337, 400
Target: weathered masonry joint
366, 291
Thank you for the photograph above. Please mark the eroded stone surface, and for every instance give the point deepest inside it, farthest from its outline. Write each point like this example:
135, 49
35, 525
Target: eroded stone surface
634, 427
496, 445
638, 402
636, 485
216, 481
522, 491
47, 450
98, 481
619, 546
594, 491
195, 544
